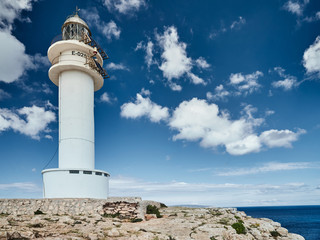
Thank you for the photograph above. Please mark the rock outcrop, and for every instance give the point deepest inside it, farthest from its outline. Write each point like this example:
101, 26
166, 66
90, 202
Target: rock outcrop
176, 223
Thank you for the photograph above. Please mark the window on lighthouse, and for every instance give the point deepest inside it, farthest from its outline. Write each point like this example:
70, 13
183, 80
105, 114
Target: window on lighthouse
73, 31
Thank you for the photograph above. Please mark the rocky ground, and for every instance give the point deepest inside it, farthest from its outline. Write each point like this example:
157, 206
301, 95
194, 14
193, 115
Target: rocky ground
177, 223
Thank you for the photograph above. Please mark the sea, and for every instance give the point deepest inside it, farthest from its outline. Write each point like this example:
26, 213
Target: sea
303, 220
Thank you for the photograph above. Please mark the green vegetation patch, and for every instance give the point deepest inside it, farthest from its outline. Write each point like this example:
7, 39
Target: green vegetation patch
38, 212
136, 220
151, 209
240, 229
275, 234
224, 221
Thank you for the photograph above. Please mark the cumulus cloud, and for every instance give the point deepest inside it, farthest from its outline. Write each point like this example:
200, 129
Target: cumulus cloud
30, 121
237, 24
280, 138
14, 64
149, 52
195, 79
315, 17
124, 6
267, 167
115, 66
145, 92
202, 63
109, 30
311, 57
11, 10
106, 98
220, 93
245, 84
288, 81
294, 7
144, 107
175, 62
286, 84
196, 120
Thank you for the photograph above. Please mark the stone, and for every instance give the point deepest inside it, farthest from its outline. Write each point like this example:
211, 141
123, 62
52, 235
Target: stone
282, 231
150, 216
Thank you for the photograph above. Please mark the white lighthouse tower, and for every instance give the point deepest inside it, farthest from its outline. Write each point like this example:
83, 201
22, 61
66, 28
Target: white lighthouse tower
76, 70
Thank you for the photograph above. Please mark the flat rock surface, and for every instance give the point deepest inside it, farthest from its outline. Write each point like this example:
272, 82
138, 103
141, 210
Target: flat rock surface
177, 223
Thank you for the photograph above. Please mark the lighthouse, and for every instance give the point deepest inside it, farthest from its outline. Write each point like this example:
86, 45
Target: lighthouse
77, 70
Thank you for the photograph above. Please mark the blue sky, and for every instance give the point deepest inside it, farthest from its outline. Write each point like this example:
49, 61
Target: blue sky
209, 102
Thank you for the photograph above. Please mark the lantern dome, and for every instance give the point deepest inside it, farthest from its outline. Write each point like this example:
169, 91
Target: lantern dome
74, 28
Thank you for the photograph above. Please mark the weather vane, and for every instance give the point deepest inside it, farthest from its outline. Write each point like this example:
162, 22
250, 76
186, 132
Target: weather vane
77, 10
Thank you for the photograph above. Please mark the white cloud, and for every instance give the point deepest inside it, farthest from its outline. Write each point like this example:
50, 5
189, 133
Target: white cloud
267, 167
196, 120
27, 186
11, 10
195, 79
14, 61
202, 63
48, 137
314, 18
311, 57
109, 30
115, 66
30, 121
124, 6
149, 52
144, 107
219, 93
180, 192
209, 96
105, 98
294, 7
14, 64
175, 62
175, 87
270, 112
280, 138
4, 94
287, 83
238, 24
245, 84
145, 92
